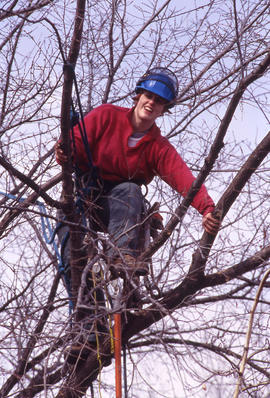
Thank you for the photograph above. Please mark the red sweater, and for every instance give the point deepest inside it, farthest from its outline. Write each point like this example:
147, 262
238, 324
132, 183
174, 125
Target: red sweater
108, 128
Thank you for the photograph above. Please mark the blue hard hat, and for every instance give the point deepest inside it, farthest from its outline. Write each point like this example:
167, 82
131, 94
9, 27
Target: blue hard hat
160, 81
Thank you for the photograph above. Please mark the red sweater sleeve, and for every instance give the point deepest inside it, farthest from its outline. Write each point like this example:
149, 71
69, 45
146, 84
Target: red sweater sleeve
174, 171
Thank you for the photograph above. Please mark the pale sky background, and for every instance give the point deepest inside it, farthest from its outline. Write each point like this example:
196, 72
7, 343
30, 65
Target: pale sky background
248, 124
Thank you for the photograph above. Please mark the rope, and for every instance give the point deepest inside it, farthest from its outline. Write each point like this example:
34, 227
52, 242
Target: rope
49, 236
49, 233
92, 390
96, 332
82, 190
80, 193
125, 370
81, 125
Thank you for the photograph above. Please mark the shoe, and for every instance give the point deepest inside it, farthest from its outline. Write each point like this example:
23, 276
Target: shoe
119, 267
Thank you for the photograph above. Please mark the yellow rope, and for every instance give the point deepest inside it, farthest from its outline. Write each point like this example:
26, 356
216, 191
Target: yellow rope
97, 337
110, 323
109, 316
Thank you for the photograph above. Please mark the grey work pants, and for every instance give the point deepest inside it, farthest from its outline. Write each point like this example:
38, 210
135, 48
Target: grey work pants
121, 212
117, 211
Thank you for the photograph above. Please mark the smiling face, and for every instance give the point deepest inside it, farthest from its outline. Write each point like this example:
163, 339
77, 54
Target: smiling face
148, 108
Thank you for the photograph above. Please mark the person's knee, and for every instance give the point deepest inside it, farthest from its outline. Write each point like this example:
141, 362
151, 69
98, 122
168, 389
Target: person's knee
127, 197
131, 189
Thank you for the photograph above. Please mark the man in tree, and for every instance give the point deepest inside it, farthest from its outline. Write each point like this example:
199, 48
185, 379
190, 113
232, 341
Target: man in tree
128, 150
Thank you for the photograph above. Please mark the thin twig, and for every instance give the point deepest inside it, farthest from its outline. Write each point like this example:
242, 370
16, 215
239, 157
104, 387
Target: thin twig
248, 335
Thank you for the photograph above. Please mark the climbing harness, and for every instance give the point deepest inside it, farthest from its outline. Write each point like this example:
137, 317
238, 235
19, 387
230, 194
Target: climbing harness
81, 191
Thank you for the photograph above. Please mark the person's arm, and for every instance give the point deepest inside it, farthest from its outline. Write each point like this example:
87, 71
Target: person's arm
79, 151
173, 170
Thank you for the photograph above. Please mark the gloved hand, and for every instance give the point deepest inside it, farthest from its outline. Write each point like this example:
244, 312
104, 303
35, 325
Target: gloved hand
61, 158
211, 224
